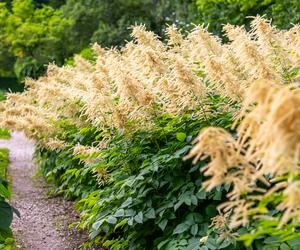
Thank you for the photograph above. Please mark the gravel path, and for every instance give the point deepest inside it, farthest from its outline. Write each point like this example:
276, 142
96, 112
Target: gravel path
44, 220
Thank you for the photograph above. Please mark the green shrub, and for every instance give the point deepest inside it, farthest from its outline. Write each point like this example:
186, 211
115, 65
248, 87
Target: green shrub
6, 210
146, 197
4, 133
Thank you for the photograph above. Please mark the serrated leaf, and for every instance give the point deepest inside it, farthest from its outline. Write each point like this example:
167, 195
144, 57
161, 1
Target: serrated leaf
181, 228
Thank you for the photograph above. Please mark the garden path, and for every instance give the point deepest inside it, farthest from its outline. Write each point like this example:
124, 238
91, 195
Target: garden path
44, 220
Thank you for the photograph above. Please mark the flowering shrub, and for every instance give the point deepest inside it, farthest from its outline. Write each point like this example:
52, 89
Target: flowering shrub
112, 133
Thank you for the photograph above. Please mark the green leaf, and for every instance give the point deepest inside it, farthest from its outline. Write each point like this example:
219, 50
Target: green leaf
120, 213
194, 244
162, 225
203, 248
150, 214
181, 152
4, 191
121, 223
225, 243
178, 204
187, 199
271, 240
201, 195
96, 225
181, 136
194, 200
181, 228
6, 215
284, 246
130, 221
217, 196
163, 243
211, 244
127, 202
129, 212
111, 220
194, 229
211, 210
139, 217
295, 243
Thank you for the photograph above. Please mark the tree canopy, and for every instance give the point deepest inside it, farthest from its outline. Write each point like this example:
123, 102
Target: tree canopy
32, 36
36, 32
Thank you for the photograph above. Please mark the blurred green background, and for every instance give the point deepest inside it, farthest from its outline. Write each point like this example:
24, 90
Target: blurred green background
36, 32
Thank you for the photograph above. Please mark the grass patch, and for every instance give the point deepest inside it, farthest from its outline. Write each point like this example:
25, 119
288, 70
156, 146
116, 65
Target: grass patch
4, 133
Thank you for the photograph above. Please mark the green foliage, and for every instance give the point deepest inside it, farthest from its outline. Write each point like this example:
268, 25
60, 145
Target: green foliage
107, 22
2, 95
6, 210
34, 33
10, 84
140, 194
34, 36
217, 12
152, 200
86, 53
275, 236
4, 133
3, 162
145, 196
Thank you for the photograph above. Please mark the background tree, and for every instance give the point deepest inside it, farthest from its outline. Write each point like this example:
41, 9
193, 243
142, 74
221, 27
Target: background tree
36, 32
32, 36
217, 12
107, 22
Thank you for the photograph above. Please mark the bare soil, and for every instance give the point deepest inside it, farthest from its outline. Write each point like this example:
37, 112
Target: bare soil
44, 223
